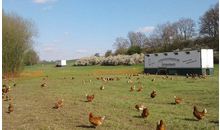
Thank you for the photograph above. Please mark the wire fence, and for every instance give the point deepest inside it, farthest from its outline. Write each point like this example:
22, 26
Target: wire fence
19, 76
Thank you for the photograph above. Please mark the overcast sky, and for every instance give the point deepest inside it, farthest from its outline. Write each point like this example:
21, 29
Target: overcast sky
72, 29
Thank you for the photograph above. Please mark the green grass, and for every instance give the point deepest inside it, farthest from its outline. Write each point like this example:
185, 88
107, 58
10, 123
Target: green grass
33, 104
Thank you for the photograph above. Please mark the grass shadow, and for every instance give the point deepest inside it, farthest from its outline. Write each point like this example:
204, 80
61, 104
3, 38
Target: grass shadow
215, 122
188, 119
86, 126
172, 103
137, 116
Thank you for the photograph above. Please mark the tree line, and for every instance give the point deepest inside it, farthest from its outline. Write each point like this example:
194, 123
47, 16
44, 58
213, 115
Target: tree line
17, 42
178, 35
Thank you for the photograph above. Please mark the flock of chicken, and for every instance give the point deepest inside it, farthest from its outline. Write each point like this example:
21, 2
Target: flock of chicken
97, 121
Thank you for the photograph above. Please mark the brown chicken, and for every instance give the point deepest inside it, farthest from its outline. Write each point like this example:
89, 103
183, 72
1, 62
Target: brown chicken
140, 107
139, 82
102, 87
199, 115
15, 85
153, 79
160, 125
4, 86
8, 89
8, 98
178, 100
90, 98
43, 85
153, 94
96, 121
202, 76
3, 95
145, 113
10, 108
187, 76
59, 104
132, 88
171, 78
140, 89
73, 78
4, 90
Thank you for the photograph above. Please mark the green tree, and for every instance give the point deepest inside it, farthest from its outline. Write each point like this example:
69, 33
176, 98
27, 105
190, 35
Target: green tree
108, 53
31, 57
17, 39
134, 49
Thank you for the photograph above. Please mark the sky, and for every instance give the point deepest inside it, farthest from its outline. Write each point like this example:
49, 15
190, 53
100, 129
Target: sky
72, 29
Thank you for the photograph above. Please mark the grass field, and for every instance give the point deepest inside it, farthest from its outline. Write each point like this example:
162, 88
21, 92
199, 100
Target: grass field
34, 105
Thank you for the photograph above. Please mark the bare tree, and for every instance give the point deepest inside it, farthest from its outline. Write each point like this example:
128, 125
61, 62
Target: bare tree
121, 43
209, 22
184, 28
137, 38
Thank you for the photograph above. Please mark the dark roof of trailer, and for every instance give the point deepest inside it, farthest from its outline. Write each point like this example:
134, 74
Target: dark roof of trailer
171, 52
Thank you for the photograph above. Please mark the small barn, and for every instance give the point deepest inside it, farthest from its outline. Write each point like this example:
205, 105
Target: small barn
60, 63
183, 62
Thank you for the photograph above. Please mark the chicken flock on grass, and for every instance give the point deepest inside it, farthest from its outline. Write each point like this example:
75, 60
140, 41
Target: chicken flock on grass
97, 121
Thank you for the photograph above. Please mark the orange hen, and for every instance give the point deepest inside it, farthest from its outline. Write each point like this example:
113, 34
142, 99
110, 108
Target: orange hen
145, 112
199, 115
160, 125
140, 89
178, 100
90, 98
96, 121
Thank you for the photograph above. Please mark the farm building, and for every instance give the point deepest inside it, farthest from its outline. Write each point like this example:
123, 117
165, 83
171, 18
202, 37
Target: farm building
183, 62
60, 63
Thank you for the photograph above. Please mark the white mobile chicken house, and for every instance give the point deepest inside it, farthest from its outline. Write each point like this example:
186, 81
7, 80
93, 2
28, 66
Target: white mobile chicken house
60, 63
183, 62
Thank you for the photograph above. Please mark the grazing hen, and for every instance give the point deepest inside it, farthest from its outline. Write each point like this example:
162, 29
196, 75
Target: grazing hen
140, 107
43, 85
96, 121
10, 108
140, 89
145, 113
153, 79
15, 85
8, 98
178, 100
153, 94
199, 115
3, 95
8, 89
160, 125
102, 87
59, 104
132, 88
90, 98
